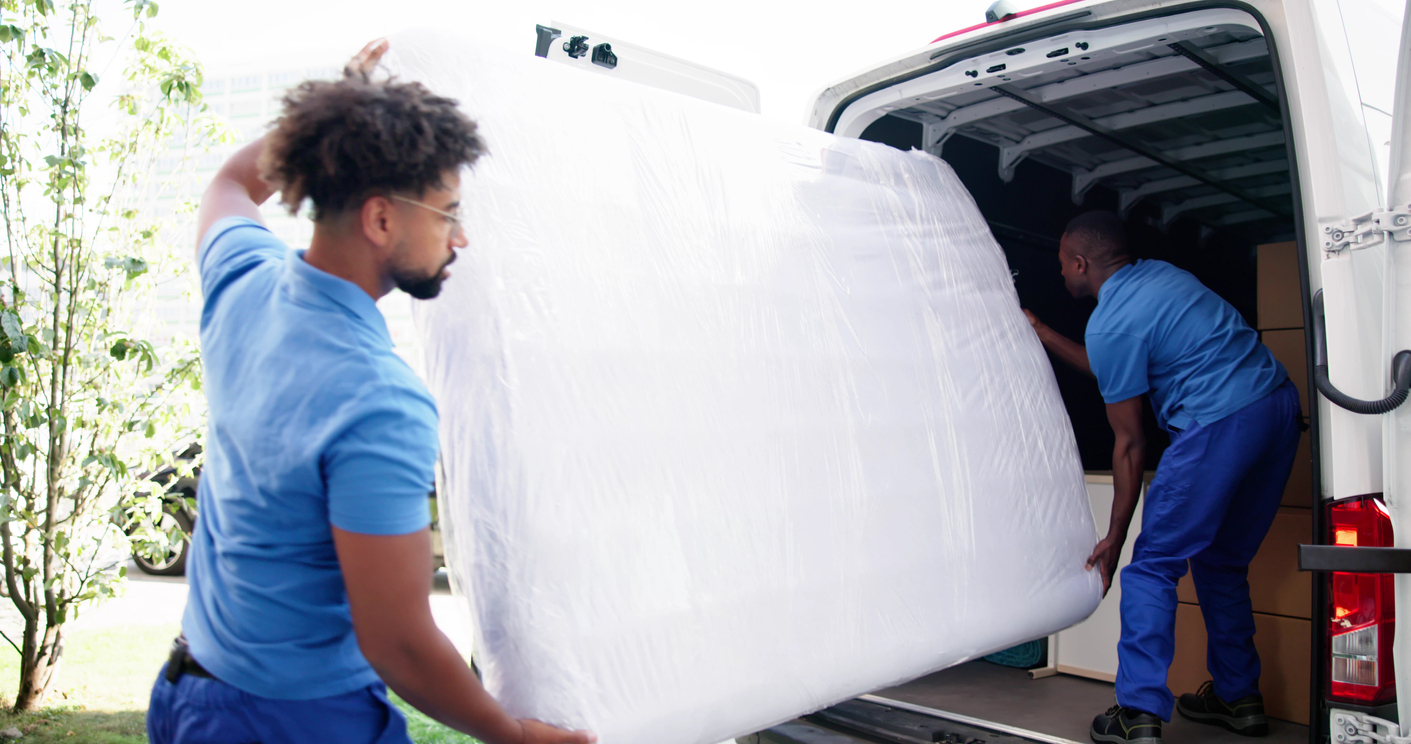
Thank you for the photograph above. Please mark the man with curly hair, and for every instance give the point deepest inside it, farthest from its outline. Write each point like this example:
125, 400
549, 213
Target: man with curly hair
310, 565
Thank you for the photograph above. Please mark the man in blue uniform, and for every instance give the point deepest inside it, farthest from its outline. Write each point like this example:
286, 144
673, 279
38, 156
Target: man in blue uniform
310, 566
1233, 416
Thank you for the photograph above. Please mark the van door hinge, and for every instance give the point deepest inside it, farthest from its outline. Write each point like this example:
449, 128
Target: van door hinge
1348, 727
1367, 230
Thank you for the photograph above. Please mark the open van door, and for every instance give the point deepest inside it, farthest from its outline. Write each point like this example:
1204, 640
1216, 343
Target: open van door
1396, 426
600, 54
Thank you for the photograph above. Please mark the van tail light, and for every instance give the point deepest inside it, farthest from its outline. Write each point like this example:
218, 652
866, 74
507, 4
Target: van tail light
1362, 615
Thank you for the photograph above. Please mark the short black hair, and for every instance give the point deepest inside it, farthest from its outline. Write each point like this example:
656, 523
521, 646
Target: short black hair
1098, 235
339, 142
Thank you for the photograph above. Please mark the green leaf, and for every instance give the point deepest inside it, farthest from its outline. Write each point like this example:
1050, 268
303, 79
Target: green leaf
88, 80
10, 323
119, 350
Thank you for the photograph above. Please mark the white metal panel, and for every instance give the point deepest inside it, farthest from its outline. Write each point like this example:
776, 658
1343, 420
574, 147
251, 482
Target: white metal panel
1396, 426
641, 65
1337, 178
1375, 28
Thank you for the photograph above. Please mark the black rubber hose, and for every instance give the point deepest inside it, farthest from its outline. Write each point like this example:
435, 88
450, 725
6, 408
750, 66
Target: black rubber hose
1400, 373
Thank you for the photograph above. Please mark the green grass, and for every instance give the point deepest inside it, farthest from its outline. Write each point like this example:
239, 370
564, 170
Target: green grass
100, 693
423, 730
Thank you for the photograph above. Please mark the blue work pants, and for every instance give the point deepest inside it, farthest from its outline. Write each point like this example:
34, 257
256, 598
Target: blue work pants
201, 710
1215, 493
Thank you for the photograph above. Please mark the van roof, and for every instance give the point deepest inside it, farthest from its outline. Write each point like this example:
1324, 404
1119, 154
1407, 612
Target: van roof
1011, 16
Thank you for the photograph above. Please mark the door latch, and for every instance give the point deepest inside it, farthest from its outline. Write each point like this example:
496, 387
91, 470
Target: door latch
576, 47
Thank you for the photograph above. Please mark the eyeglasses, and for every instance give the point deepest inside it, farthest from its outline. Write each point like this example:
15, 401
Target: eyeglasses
454, 217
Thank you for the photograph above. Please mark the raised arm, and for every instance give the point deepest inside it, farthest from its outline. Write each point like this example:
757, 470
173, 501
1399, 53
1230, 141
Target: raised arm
237, 190
1066, 349
388, 578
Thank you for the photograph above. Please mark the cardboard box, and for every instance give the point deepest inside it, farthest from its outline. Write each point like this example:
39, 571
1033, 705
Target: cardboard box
1284, 656
1288, 347
1276, 586
1280, 299
1299, 491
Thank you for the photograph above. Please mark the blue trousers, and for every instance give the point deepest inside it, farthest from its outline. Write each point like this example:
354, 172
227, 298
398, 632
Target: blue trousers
1214, 496
208, 711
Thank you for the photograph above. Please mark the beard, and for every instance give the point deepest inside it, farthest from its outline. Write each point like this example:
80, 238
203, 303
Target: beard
421, 286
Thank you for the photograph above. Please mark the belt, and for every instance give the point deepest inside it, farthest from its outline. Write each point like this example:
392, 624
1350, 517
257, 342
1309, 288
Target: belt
180, 662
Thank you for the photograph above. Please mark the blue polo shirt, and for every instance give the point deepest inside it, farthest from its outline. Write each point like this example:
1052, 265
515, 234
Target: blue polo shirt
314, 421
1157, 329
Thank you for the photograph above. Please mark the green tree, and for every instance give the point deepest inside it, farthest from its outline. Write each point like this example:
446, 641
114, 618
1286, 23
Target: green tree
94, 392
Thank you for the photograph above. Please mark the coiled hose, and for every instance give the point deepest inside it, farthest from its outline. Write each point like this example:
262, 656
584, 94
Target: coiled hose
1400, 373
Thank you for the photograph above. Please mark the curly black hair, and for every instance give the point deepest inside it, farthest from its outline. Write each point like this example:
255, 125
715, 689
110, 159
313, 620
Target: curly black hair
339, 142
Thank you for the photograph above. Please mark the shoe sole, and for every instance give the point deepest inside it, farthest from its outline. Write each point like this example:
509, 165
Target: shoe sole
1115, 739
1247, 726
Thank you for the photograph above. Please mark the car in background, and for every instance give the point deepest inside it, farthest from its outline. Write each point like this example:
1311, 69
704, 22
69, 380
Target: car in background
168, 558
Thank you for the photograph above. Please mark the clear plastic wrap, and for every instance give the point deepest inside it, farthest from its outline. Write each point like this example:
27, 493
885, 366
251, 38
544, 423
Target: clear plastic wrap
738, 419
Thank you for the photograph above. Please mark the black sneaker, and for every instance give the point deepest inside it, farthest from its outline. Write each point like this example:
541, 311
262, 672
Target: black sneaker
1126, 726
1244, 716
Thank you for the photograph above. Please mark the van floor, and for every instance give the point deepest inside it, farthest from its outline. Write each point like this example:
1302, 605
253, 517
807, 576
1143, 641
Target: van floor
1061, 705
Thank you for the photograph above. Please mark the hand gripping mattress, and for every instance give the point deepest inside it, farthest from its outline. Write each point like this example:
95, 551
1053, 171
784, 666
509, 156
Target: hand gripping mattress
738, 419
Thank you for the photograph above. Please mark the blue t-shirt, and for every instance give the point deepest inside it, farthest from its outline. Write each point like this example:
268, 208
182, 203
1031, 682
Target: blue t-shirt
314, 421
1157, 329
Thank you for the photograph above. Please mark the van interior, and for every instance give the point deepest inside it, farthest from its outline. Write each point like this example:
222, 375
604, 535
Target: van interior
1173, 122
1079, 131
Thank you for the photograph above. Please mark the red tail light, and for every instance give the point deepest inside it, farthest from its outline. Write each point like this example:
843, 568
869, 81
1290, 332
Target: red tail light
1362, 616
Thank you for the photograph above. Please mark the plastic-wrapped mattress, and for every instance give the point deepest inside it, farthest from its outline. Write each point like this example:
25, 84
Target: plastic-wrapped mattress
738, 419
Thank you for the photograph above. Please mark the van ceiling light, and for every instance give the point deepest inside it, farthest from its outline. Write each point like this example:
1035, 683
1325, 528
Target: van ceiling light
1000, 10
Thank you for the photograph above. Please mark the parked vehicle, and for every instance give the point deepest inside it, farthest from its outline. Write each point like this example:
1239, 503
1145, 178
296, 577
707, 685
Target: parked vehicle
1211, 127
167, 557
179, 506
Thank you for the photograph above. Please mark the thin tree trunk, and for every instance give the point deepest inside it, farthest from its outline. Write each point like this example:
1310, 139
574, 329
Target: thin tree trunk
38, 662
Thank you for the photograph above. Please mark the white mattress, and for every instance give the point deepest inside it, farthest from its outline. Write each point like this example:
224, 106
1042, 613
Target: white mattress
738, 419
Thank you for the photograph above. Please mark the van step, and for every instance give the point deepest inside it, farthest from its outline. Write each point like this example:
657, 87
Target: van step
878, 719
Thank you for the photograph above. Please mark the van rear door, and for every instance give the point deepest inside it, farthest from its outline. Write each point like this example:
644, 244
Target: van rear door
604, 55
1396, 426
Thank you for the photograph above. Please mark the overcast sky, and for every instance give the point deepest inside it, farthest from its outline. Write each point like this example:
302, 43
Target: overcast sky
789, 49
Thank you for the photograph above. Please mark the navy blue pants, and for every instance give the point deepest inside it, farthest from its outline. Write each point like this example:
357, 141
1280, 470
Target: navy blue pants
1211, 503
208, 711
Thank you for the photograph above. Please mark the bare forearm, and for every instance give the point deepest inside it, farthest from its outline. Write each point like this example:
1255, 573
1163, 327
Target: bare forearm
1128, 458
1070, 352
236, 190
430, 674
243, 169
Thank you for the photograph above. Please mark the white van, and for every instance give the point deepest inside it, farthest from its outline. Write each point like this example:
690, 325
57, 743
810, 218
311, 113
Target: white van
1212, 127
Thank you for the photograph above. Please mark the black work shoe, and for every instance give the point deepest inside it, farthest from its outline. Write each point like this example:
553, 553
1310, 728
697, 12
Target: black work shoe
1126, 726
1244, 716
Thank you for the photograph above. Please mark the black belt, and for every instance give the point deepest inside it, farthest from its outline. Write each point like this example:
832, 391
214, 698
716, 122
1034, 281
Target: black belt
180, 662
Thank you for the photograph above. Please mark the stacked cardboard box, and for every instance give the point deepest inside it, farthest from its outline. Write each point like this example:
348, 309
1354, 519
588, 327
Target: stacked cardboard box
1280, 594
